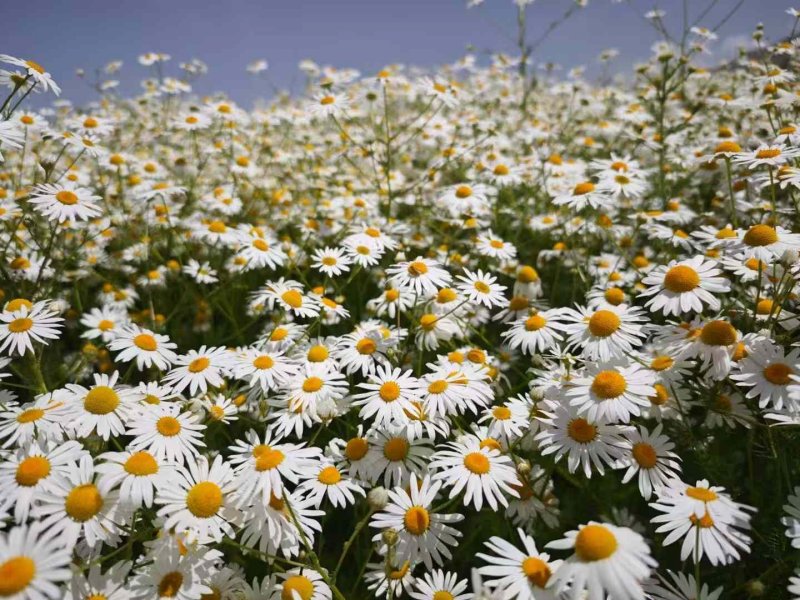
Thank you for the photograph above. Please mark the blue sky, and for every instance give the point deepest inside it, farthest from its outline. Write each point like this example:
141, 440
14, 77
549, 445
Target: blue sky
63, 35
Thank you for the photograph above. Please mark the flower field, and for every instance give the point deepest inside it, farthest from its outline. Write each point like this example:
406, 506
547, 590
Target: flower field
468, 333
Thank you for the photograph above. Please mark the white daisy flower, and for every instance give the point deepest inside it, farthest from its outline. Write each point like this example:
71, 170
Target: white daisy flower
685, 286
147, 347
165, 432
34, 561
64, 203
423, 534
198, 369
102, 409
327, 480
21, 327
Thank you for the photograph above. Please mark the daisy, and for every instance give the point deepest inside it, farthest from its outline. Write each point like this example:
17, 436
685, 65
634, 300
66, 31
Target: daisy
681, 587
328, 480
603, 334
102, 409
482, 472
440, 585
260, 466
395, 456
585, 442
766, 155
608, 392
492, 246
607, 560
147, 347
685, 286
200, 272
137, 474
76, 507
34, 71
480, 288
434, 329
537, 332
766, 243
34, 561
21, 327
303, 583
165, 432
41, 419
389, 396
111, 585
198, 369
706, 518
769, 372
650, 456
288, 295
328, 104
714, 344
792, 519
585, 194
29, 470
312, 386
422, 275
200, 497
362, 350
423, 534
173, 573
331, 261
268, 369
523, 575
510, 420
64, 203
104, 323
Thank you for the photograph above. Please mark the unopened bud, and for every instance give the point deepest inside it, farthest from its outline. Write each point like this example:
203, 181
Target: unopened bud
378, 498
755, 588
390, 537
524, 467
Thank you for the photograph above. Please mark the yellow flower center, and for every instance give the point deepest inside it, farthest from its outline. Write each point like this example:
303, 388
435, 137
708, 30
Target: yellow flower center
718, 333
777, 373
20, 325
661, 397
536, 570
703, 494
645, 455
463, 191
106, 325
35, 66
293, 298
417, 520
417, 268
609, 384
581, 430
312, 384
17, 303
168, 426
317, 354
443, 595
31, 470
141, 464
356, 448
482, 287
260, 244
583, 188
681, 279
661, 363
768, 153
101, 400
535, 322
438, 386
595, 542
389, 391
366, 346
170, 584
428, 322
83, 502
30, 415
396, 449
527, 274
326, 100
445, 295
297, 585
217, 227
146, 342
329, 476
267, 458
15, 575
263, 362
204, 499
199, 364
501, 413
477, 463
760, 235
66, 197
603, 323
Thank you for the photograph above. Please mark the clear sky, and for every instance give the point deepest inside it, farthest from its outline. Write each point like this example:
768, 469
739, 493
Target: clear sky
63, 35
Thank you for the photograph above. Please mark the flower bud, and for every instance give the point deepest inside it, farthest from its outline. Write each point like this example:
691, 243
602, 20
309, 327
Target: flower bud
378, 498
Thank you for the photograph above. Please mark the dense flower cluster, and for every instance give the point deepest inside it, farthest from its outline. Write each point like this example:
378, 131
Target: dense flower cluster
442, 336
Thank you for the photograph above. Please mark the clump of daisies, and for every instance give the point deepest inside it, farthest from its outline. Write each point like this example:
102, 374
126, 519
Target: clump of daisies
453, 335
